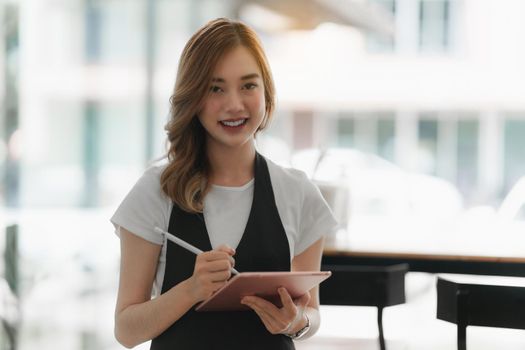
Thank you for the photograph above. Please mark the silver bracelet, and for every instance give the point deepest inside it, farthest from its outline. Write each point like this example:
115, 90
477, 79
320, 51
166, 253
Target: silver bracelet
301, 332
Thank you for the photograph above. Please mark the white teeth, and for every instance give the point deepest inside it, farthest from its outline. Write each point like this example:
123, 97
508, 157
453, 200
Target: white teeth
235, 123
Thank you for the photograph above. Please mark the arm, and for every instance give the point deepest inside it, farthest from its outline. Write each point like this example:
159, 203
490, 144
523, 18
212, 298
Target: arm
291, 317
139, 318
310, 260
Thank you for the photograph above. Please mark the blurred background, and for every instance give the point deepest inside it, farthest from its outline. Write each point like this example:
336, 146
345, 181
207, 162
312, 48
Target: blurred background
408, 114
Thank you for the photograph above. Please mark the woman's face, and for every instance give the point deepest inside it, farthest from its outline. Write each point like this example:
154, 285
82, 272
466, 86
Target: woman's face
235, 105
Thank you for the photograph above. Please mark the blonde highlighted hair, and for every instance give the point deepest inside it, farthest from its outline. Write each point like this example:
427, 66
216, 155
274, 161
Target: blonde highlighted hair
185, 179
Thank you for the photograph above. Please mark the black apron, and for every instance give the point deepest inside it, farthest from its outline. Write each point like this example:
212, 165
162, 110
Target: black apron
263, 247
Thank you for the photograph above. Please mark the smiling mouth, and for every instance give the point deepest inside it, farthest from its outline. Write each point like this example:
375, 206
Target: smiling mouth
233, 123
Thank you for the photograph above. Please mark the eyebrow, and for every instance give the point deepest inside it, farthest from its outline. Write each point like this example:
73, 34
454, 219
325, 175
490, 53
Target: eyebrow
244, 77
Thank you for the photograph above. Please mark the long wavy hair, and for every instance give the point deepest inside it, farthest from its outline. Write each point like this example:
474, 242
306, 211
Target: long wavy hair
185, 179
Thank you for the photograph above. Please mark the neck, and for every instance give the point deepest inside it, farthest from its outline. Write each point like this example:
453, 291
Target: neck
231, 166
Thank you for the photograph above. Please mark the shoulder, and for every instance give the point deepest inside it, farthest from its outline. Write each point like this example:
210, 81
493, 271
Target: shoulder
292, 181
144, 207
304, 213
150, 179
147, 190
154, 172
285, 175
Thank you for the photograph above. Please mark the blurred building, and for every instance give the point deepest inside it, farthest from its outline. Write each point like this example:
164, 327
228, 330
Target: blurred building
443, 96
432, 85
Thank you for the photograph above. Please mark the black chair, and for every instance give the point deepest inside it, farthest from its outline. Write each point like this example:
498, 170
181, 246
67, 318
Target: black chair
479, 305
378, 286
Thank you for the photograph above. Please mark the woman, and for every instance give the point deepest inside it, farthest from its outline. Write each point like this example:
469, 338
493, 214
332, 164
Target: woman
220, 195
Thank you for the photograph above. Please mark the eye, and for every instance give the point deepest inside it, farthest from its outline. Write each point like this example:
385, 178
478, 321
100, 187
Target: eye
215, 89
249, 86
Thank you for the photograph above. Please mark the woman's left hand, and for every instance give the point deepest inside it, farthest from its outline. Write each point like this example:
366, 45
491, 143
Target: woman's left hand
279, 320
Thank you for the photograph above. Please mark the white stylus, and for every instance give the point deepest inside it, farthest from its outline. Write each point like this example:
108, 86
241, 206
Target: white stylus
185, 245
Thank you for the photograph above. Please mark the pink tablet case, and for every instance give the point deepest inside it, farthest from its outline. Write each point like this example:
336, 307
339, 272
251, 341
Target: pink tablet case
262, 284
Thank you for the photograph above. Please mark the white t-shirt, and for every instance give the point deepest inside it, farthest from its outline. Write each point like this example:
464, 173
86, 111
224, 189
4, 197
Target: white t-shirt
226, 212
304, 213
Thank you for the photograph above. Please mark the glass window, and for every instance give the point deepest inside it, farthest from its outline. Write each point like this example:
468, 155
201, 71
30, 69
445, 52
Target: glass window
386, 137
107, 22
434, 25
381, 43
514, 158
427, 145
345, 131
372, 132
467, 156
77, 154
52, 173
93, 22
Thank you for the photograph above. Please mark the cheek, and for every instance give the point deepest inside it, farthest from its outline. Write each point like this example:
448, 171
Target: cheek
257, 103
210, 107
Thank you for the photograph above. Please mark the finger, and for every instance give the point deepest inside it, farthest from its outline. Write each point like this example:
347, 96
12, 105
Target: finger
205, 268
272, 324
262, 304
218, 265
225, 248
229, 251
281, 320
221, 276
218, 257
209, 278
286, 299
214, 255
303, 300
264, 319
207, 258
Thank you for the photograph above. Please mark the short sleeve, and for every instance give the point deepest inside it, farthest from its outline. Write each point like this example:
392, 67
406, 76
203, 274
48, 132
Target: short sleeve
144, 207
317, 219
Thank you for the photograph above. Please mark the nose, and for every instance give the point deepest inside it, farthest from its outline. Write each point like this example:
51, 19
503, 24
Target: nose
234, 102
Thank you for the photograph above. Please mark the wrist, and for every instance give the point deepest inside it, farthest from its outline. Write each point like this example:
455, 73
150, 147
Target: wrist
298, 324
300, 329
188, 292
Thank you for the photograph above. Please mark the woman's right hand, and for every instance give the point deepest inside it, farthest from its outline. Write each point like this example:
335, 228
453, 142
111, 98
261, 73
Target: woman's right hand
212, 270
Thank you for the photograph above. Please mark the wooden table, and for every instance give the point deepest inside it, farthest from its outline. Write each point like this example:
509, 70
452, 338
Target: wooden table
339, 253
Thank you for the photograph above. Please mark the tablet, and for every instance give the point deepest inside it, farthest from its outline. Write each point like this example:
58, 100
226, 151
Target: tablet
262, 284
